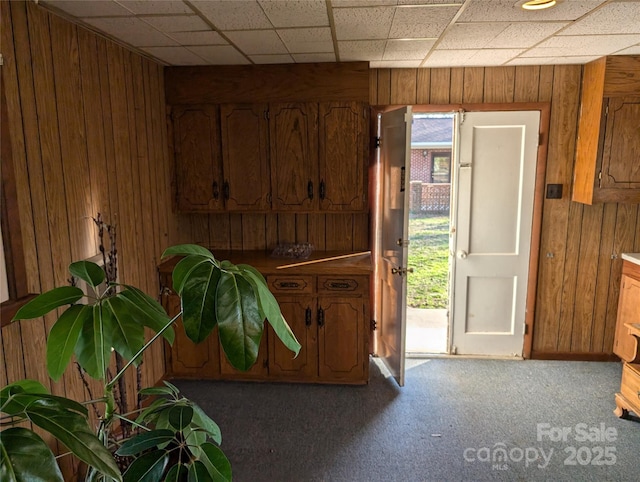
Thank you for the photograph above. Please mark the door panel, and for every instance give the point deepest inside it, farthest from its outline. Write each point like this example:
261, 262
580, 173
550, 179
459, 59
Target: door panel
494, 214
395, 135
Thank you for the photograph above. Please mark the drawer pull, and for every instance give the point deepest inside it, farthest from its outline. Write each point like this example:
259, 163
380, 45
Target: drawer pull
307, 316
320, 317
289, 284
337, 285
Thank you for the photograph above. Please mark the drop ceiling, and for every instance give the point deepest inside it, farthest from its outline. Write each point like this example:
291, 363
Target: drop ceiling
386, 33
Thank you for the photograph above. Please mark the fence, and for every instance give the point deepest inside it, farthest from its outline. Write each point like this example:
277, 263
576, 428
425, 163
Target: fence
431, 198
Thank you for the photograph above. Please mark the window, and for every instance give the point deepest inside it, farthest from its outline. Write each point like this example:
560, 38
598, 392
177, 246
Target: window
441, 167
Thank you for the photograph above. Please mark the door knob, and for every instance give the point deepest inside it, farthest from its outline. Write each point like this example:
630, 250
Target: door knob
462, 254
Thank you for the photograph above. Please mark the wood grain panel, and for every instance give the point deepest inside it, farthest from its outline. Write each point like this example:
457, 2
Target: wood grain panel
440, 86
545, 89
384, 86
220, 231
623, 75
373, 87
473, 84
527, 81
423, 86
456, 93
499, 84
403, 86
339, 230
253, 231
320, 82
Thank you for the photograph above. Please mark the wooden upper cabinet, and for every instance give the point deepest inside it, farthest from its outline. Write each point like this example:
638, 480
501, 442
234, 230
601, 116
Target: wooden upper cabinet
607, 165
343, 159
245, 151
197, 156
293, 130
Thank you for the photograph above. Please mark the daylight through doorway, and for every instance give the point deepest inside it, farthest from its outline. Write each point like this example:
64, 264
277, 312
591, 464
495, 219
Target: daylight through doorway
429, 228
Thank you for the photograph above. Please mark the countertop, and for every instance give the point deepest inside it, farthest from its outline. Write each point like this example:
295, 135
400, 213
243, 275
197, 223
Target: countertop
267, 264
632, 258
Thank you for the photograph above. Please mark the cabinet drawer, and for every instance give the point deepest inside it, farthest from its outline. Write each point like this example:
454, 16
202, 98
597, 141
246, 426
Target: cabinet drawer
302, 284
630, 386
344, 284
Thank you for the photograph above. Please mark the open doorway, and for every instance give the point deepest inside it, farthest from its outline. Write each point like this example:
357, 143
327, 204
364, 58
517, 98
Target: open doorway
429, 227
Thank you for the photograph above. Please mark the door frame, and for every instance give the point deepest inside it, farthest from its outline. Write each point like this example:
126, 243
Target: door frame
536, 229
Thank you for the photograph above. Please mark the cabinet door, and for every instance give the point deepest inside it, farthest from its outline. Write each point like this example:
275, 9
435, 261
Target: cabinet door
626, 345
300, 313
621, 155
293, 136
245, 150
188, 359
197, 157
342, 349
343, 157
258, 371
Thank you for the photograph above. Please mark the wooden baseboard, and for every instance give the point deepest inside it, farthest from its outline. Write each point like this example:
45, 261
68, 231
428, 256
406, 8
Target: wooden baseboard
570, 356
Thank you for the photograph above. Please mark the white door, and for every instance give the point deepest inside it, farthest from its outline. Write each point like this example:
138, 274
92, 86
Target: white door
395, 151
494, 197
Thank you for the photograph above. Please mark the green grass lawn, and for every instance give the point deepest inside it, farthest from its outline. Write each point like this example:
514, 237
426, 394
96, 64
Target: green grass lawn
429, 257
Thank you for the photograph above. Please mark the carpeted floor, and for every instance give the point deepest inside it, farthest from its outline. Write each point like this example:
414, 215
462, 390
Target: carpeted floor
455, 420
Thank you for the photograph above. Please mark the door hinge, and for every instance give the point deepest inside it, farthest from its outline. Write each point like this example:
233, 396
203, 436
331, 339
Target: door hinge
600, 179
540, 139
378, 142
373, 325
606, 110
526, 329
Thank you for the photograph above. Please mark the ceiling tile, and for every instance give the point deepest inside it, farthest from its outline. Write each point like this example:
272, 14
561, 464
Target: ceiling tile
296, 13
430, 2
319, 57
397, 64
220, 54
233, 15
257, 42
131, 30
141, 7
621, 17
421, 22
362, 3
510, 10
492, 57
205, 37
272, 59
550, 60
99, 8
307, 40
634, 50
175, 55
448, 58
407, 49
363, 23
471, 35
582, 45
181, 23
524, 34
361, 49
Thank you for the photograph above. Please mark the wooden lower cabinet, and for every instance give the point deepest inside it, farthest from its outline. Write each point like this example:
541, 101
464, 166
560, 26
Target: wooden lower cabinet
329, 314
626, 344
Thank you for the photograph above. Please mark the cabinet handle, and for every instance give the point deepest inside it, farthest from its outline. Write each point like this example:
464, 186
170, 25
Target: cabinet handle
320, 317
216, 190
307, 316
288, 284
342, 286
225, 188
322, 189
310, 189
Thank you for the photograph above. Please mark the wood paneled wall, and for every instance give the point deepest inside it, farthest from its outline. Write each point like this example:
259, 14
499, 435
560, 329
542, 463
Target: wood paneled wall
580, 247
86, 120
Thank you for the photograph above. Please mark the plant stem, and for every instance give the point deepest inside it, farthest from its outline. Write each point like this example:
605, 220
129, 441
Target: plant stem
109, 386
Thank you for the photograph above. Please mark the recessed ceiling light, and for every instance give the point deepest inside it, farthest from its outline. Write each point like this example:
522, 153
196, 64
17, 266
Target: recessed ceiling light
538, 4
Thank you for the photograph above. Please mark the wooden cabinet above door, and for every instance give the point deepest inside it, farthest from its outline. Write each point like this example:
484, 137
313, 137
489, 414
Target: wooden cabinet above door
197, 155
245, 151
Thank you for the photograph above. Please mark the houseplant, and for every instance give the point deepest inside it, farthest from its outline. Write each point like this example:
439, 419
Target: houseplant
175, 439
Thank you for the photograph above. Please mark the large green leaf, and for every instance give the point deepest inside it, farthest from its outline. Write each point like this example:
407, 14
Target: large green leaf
87, 271
177, 473
150, 414
45, 302
144, 441
216, 463
8, 405
24, 456
186, 250
147, 311
240, 324
127, 336
147, 468
63, 338
198, 473
73, 430
203, 421
180, 416
183, 268
20, 403
269, 308
93, 349
198, 301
